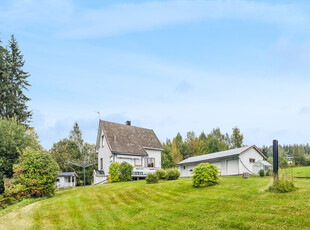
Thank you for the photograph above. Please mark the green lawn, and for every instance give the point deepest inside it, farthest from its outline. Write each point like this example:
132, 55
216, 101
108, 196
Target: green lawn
235, 203
301, 171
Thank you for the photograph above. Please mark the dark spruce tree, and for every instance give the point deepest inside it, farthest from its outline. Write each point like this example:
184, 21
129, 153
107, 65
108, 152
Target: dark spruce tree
13, 84
3, 79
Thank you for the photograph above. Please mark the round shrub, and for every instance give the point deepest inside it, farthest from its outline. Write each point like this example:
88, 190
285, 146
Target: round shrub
161, 174
172, 174
151, 178
125, 171
37, 171
205, 174
114, 172
261, 172
268, 172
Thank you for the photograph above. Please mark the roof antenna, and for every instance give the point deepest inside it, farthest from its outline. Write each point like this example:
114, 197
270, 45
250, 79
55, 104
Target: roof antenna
98, 113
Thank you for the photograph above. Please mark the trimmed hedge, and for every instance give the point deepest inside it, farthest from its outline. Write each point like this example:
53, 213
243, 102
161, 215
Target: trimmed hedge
172, 174
205, 174
151, 178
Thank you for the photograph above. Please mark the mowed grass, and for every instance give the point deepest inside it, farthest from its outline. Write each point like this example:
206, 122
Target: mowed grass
235, 203
301, 171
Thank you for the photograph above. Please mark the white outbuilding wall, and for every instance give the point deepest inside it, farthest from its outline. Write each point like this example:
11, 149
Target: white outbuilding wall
231, 165
66, 181
245, 164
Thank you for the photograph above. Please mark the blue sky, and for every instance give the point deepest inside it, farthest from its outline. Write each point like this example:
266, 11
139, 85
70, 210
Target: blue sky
167, 65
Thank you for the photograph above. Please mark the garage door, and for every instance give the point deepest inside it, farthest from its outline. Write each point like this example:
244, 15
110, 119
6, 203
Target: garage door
232, 167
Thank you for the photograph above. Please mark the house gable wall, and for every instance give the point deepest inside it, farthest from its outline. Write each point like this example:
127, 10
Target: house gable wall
104, 153
244, 158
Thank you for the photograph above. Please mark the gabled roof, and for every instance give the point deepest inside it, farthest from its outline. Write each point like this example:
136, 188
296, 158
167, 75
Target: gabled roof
218, 155
127, 139
63, 174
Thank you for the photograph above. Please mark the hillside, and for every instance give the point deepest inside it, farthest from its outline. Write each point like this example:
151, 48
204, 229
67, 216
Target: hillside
234, 203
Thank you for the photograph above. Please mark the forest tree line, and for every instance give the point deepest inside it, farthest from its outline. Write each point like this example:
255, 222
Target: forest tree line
178, 149
300, 154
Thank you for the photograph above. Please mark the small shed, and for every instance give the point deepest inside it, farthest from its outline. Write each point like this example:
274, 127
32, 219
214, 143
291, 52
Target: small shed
66, 179
265, 165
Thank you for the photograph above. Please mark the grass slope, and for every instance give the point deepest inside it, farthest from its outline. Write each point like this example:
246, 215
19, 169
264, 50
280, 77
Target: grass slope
234, 203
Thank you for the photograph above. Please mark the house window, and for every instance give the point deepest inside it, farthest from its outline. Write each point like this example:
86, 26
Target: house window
101, 163
102, 142
57, 180
151, 162
252, 160
138, 162
69, 179
183, 167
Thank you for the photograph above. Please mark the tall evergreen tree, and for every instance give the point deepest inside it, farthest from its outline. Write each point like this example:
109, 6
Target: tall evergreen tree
3, 79
13, 83
76, 136
236, 138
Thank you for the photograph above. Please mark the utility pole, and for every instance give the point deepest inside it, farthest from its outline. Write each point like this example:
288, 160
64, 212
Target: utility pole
275, 160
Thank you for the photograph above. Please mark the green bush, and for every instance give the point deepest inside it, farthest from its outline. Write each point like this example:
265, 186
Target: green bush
261, 173
268, 172
172, 174
38, 172
151, 178
125, 170
34, 176
285, 183
161, 174
205, 174
114, 172
1, 183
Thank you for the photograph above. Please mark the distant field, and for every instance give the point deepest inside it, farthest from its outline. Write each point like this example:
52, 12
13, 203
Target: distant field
235, 203
301, 171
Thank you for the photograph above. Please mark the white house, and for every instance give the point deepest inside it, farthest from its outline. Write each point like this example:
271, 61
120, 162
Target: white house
230, 162
137, 146
66, 179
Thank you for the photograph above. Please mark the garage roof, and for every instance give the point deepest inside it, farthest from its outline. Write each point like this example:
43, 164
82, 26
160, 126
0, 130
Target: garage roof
217, 155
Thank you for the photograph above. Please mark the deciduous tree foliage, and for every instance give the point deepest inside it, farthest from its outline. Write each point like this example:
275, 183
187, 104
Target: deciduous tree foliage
64, 152
75, 150
14, 138
215, 141
175, 152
